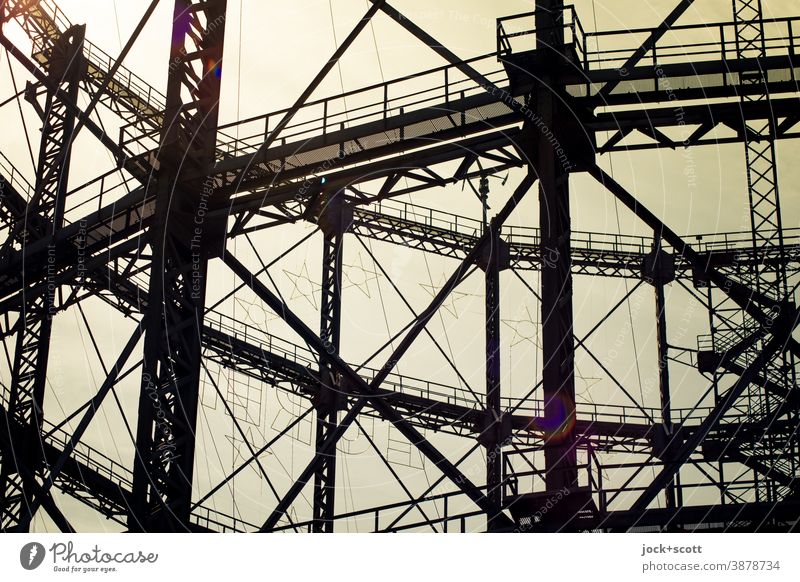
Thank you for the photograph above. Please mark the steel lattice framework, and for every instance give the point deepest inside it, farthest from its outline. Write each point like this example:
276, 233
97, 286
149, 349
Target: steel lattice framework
552, 107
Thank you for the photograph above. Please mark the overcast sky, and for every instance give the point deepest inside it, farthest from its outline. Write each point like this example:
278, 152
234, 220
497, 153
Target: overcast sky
272, 51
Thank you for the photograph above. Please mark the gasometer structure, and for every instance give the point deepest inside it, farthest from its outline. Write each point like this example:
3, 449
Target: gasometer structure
183, 196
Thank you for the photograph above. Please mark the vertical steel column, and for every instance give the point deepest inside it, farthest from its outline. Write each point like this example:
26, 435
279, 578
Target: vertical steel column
663, 377
558, 348
658, 269
494, 444
183, 238
44, 216
331, 398
766, 277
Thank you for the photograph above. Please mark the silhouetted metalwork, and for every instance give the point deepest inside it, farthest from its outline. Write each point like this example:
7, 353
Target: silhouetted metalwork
556, 102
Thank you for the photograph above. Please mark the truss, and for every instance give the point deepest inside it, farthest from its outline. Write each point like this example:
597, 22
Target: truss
188, 197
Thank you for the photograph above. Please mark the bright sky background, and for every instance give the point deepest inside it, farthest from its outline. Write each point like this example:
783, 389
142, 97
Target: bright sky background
272, 51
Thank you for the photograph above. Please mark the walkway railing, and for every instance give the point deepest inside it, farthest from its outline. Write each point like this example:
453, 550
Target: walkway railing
610, 49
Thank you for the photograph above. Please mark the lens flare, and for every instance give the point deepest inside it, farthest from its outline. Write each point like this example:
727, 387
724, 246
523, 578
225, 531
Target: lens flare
559, 420
214, 68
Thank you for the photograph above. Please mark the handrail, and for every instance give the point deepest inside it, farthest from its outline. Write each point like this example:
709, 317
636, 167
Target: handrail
90, 456
14, 177
147, 102
322, 116
529, 235
780, 38
336, 115
375, 512
399, 384
52, 21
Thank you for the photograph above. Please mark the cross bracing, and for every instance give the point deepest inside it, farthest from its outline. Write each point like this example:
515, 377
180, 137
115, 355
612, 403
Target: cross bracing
550, 104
